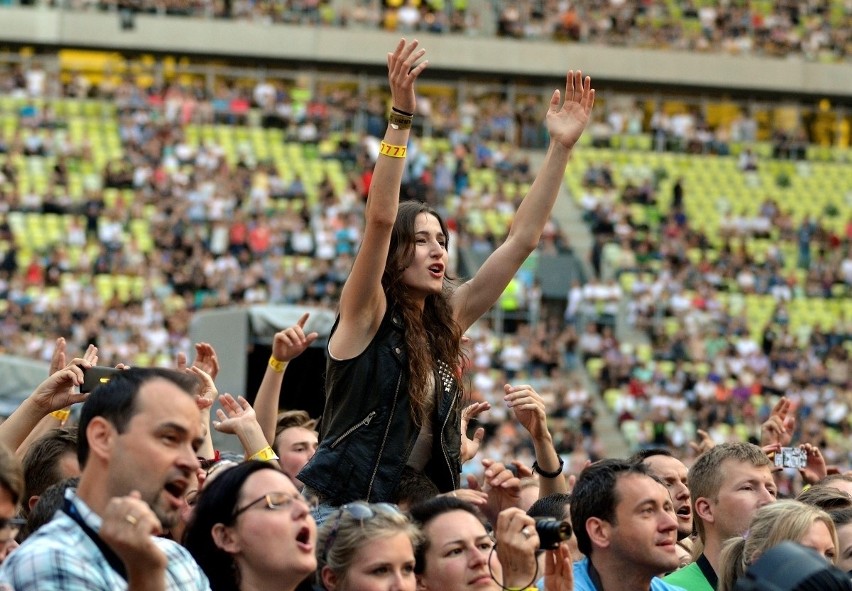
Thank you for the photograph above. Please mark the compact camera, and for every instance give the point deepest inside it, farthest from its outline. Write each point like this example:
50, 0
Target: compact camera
551, 532
791, 457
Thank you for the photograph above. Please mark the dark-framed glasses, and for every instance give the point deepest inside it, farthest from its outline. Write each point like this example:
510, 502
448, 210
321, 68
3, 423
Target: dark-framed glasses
278, 500
362, 512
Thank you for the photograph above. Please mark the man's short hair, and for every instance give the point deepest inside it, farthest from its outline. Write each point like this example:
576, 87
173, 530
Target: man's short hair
836, 478
294, 418
41, 462
553, 505
49, 502
414, 488
825, 497
11, 474
116, 400
595, 495
644, 454
705, 476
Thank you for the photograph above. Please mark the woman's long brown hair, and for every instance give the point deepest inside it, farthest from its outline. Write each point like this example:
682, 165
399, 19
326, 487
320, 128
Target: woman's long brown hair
433, 335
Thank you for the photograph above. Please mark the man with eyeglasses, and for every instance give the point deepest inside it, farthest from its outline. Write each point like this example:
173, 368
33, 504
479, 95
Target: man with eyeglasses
137, 445
11, 492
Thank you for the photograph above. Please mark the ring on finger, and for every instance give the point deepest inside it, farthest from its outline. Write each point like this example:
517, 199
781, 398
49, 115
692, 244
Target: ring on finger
527, 533
131, 519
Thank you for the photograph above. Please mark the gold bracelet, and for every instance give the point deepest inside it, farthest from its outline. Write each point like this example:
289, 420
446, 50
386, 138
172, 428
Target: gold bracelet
398, 121
277, 366
393, 151
61, 415
264, 455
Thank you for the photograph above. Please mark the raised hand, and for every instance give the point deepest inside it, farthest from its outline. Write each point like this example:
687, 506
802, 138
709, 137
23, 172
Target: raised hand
470, 447
57, 360
238, 418
522, 470
502, 486
292, 341
705, 442
528, 407
128, 528
815, 469
779, 427
60, 389
205, 359
208, 393
403, 70
566, 123
237, 414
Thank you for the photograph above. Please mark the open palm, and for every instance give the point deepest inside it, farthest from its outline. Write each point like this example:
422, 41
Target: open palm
566, 124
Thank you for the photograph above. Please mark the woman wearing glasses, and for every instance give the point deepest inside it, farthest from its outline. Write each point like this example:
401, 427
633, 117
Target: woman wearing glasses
367, 547
252, 530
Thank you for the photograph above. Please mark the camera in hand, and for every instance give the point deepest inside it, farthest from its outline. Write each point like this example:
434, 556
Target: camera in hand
791, 457
95, 376
551, 532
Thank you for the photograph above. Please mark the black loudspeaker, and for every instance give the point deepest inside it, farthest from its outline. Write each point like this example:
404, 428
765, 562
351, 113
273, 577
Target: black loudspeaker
304, 379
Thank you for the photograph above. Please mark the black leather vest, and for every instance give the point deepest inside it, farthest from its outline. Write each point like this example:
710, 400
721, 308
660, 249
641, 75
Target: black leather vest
367, 433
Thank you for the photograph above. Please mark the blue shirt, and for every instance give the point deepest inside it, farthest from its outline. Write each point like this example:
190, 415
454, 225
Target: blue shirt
583, 582
60, 556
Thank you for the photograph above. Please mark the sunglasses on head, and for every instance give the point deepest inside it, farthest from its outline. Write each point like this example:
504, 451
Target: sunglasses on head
362, 512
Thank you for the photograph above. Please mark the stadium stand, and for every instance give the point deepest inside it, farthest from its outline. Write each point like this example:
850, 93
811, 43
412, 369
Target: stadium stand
139, 189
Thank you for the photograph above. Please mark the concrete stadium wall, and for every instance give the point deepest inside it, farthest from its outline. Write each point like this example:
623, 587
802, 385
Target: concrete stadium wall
793, 77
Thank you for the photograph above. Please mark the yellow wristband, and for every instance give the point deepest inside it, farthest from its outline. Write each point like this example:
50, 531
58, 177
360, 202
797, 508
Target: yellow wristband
277, 366
61, 415
393, 151
264, 455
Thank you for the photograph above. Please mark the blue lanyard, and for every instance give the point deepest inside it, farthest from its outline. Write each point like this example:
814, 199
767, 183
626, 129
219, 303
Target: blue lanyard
111, 557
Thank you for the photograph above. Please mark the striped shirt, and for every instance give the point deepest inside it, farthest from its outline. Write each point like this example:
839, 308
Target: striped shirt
61, 556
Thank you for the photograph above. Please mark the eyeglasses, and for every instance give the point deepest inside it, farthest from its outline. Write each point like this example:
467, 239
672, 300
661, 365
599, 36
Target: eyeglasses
279, 500
10, 528
360, 511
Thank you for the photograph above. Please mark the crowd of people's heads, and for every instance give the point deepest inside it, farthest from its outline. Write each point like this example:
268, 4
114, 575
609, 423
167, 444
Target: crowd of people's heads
729, 327
814, 31
153, 490
248, 523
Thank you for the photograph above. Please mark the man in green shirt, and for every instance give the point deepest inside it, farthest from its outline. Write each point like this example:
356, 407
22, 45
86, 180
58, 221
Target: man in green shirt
727, 484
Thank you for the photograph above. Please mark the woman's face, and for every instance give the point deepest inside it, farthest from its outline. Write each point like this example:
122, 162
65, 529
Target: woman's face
425, 274
280, 540
383, 564
819, 538
459, 556
844, 552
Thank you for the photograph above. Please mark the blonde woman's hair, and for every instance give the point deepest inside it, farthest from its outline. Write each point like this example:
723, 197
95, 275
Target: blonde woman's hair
343, 534
771, 525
